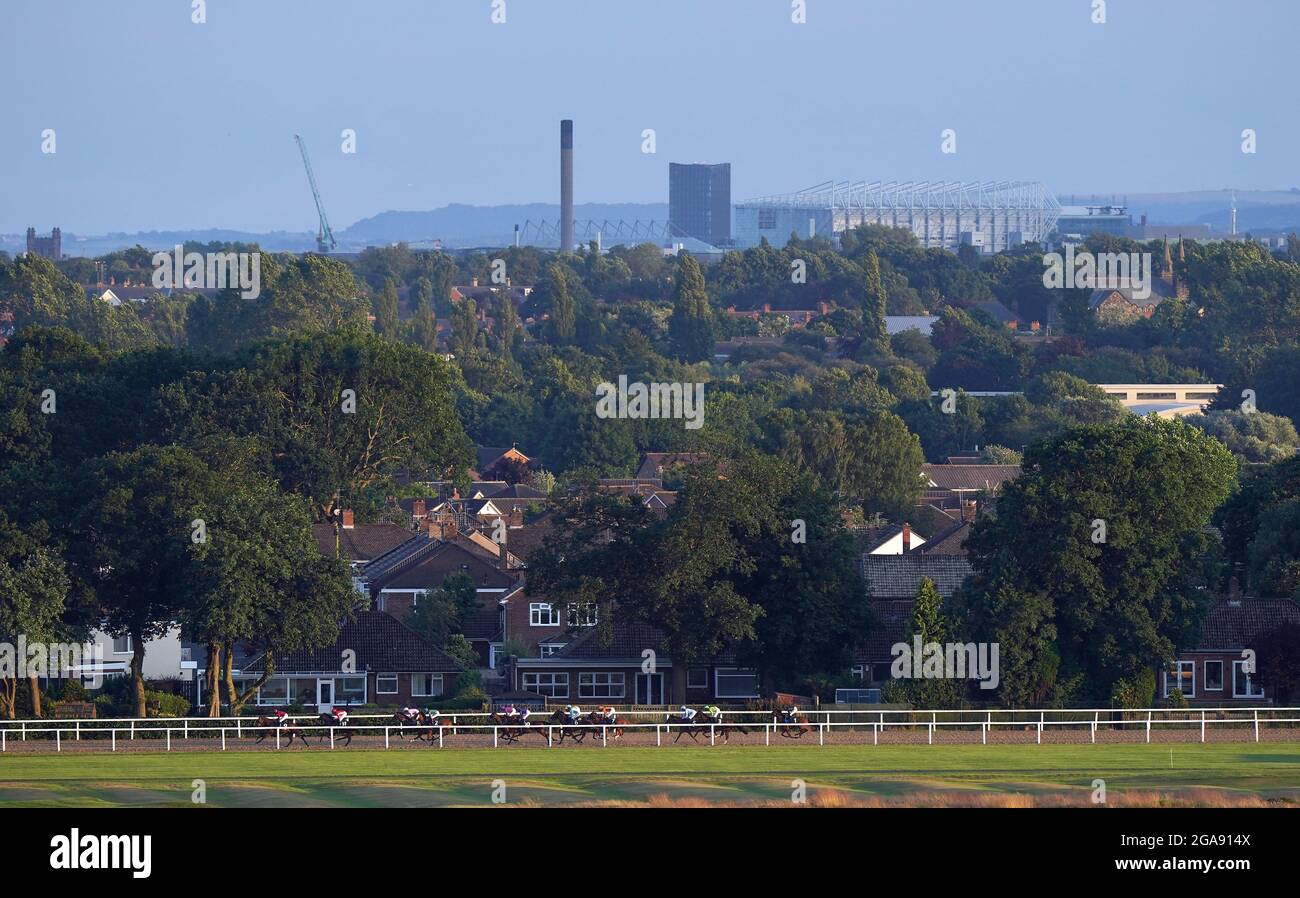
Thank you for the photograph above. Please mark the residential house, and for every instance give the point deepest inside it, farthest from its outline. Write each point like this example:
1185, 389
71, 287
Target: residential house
505, 463
395, 579
892, 582
627, 663
375, 660
358, 544
1219, 669
962, 486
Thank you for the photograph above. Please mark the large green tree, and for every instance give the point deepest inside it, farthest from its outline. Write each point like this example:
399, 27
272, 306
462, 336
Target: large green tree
1092, 568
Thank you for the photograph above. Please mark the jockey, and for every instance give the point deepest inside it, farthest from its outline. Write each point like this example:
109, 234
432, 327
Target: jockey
340, 716
432, 714
790, 712
282, 717
523, 714
688, 714
411, 713
509, 711
713, 711
574, 713
608, 713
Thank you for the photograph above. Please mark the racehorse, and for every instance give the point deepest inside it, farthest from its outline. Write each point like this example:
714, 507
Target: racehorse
512, 727
404, 721
270, 722
560, 719
614, 729
784, 726
722, 729
686, 727
330, 722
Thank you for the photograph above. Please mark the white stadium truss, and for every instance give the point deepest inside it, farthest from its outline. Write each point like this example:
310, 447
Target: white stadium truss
989, 213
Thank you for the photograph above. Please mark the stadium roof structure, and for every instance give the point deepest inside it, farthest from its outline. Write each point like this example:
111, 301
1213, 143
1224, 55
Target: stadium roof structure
1032, 205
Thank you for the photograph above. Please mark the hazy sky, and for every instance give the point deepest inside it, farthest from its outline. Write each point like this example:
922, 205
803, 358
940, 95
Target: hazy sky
161, 123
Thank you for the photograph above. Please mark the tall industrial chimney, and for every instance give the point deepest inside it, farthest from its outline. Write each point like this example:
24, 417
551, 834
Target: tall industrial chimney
566, 185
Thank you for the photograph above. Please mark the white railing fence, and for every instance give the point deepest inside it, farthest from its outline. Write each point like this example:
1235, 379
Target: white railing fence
820, 722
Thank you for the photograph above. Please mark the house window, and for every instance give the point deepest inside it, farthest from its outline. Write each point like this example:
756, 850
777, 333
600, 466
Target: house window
349, 690
121, 645
766, 219
547, 649
601, 685
859, 671
734, 682
1213, 676
582, 614
542, 614
274, 691
426, 684
1245, 684
697, 678
1181, 675
1161, 395
386, 684
551, 685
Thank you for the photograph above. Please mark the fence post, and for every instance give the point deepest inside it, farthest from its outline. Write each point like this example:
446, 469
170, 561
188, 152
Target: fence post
277, 738
169, 738
385, 737
875, 732
239, 728
548, 737
821, 734
24, 732
984, 733
1148, 726
1257, 724
711, 735
132, 730
331, 737
2, 739
1094, 730
58, 740
494, 737
930, 735
767, 734
186, 731
604, 736
113, 735
223, 738
1202, 726
78, 730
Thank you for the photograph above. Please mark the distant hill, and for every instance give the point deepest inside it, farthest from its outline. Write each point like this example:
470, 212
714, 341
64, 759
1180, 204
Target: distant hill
1261, 210
463, 225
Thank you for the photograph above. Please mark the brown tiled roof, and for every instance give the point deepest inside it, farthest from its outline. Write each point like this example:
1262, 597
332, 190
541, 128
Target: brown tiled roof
364, 542
623, 639
522, 541
891, 623
951, 540
900, 576
381, 643
425, 563
1238, 623
654, 463
969, 477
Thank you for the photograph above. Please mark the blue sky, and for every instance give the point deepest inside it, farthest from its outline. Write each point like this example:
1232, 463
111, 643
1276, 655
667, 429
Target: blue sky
161, 123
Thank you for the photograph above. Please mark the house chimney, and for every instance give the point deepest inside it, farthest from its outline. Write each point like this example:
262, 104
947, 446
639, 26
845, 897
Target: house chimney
347, 519
566, 185
417, 508
907, 537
